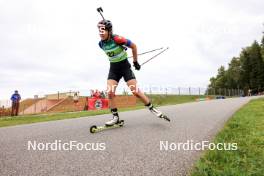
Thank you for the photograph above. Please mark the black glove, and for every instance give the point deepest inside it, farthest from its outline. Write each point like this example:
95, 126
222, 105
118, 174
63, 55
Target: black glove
136, 65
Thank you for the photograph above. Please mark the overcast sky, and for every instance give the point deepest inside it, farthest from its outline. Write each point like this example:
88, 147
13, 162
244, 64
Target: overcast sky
52, 45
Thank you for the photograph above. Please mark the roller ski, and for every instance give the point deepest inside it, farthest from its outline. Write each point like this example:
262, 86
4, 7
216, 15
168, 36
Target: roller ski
114, 123
95, 129
158, 113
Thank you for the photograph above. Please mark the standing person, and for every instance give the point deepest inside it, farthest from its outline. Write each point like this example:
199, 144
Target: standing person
249, 92
115, 48
15, 98
75, 98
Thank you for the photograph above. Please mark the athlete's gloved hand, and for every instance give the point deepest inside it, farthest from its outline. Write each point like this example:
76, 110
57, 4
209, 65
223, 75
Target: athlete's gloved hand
136, 65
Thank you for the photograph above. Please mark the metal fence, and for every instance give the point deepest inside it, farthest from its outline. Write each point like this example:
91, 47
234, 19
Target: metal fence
191, 91
225, 92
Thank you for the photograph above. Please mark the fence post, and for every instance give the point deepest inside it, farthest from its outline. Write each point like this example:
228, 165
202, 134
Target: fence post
189, 91
35, 107
179, 90
199, 91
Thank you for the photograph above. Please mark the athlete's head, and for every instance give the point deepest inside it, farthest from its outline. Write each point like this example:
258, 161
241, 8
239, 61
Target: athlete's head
105, 29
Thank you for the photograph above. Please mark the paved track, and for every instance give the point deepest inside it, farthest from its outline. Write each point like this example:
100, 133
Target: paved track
131, 150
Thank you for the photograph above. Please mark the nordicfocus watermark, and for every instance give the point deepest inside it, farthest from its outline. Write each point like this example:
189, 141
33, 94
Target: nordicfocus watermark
191, 145
58, 145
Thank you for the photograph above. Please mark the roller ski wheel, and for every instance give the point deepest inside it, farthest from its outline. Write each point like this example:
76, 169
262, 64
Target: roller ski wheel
162, 116
95, 129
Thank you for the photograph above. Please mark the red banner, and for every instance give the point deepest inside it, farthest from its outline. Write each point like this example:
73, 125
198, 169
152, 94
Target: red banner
97, 103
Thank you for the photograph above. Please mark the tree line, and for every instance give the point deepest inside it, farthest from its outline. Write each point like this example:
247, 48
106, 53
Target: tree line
245, 72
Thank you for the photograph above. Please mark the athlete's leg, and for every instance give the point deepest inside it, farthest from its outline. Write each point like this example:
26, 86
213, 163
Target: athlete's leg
132, 84
111, 88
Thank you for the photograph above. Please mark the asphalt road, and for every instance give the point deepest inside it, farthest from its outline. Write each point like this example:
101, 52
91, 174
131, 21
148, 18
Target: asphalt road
131, 150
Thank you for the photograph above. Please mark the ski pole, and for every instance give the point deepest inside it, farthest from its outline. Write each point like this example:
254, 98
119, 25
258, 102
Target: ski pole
154, 56
100, 10
148, 52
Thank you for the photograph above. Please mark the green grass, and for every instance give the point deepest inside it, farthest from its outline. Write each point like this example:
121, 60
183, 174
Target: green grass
26, 119
246, 128
162, 100
158, 100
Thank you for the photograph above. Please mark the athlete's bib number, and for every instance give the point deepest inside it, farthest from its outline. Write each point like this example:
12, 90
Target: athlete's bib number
111, 54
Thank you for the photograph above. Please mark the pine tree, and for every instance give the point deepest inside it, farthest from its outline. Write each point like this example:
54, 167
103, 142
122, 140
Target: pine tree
262, 47
221, 78
257, 67
245, 68
233, 74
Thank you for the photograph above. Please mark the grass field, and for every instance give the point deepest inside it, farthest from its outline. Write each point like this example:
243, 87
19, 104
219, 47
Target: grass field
246, 128
158, 100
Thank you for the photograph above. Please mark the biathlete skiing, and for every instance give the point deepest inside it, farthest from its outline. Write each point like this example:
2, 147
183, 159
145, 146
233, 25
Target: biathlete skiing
115, 48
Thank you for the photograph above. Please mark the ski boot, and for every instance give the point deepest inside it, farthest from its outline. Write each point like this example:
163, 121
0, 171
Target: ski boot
158, 113
113, 121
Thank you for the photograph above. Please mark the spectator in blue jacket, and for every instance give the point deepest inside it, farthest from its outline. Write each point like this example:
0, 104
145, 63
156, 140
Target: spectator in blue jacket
15, 98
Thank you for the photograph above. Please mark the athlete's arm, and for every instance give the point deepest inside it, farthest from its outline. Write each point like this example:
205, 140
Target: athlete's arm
133, 46
123, 41
134, 52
